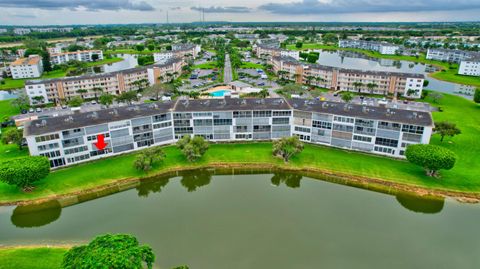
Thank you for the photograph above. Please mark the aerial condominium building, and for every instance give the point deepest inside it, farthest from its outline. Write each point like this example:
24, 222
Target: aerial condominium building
115, 83
470, 67
30, 67
81, 56
341, 79
268, 51
381, 47
72, 139
181, 51
449, 55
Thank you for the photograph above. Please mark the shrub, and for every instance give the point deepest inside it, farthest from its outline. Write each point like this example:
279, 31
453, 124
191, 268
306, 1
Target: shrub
192, 148
432, 158
23, 172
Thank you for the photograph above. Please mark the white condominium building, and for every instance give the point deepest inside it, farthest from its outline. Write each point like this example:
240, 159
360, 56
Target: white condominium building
181, 51
269, 51
381, 47
448, 55
81, 56
470, 67
31, 67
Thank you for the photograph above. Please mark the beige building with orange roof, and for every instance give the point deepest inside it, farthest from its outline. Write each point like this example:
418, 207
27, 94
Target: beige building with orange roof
31, 67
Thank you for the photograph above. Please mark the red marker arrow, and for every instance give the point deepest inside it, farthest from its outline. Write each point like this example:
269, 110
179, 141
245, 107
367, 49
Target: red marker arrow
100, 142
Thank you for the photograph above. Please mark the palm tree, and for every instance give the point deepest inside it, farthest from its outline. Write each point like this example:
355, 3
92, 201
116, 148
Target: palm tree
81, 92
309, 79
357, 85
371, 86
95, 91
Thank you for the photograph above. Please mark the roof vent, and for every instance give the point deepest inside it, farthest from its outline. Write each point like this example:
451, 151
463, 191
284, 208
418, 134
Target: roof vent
69, 119
154, 106
114, 112
243, 102
365, 109
324, 105
94, 115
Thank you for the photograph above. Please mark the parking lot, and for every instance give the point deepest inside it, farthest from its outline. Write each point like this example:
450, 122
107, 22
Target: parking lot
256, 78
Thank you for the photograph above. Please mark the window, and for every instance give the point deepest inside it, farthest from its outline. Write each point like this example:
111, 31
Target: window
48, 146
282, 113
362, 138
159, 118
262, 114
302, 129
412, 129
222, 122
389, 125
280, 120
384, 150
51, 154
75, 150
322, 124
57, 162
203, 122
94, 137
162, 125
386, 142
261, 128
343, 119
242, 114
46, 137
343, 128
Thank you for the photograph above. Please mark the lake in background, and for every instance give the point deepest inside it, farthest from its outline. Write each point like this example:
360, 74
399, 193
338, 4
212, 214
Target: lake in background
265, 221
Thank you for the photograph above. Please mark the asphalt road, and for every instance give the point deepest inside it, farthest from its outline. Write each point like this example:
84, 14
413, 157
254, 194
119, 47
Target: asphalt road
227, 70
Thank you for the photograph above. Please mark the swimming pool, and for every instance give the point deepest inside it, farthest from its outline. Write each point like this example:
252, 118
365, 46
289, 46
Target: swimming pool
220, 93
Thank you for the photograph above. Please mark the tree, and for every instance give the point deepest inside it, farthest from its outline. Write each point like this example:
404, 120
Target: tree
110, 251
476, 96
38, 99
299, 45
347, 97
127, 97
96, 90
330, 38
445, 128
151, 47
140, 47
23, 172
81, 92
14, 136
357, 85
287, 147
148, 157
22, 101
106, 99
75, 101
304, 55
371, 86
158, 89
431, 157
312, 58
192, 148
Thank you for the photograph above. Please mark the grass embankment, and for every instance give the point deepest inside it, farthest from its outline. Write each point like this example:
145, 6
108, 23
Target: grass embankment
9, 151
20, 83
206, 65
448, 72
464, 177
31, 257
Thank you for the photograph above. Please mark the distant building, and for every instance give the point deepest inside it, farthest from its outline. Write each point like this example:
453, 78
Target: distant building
267, 51
381, 47
31, 67
81, 56
452, 56
470, 67
115, 83
2, 31
22, 31
183, 51
341, 79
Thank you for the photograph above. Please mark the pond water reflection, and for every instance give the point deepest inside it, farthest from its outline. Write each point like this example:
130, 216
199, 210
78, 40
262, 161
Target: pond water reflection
255, 219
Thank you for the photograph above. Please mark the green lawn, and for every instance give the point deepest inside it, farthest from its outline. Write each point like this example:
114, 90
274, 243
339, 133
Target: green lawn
104, 61
451, 75
206, 65
249, 65
31, 258
9, 151
7, 110
465, 176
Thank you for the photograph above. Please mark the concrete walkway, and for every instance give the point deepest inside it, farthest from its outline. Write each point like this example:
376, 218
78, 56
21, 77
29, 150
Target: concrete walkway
227, 70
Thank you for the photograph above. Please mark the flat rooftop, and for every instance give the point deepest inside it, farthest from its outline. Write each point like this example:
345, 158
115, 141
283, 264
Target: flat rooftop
421, 118
26, 61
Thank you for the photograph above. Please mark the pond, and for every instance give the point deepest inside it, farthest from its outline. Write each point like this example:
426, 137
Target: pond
5, 95
129, 61
208, 220
355, 60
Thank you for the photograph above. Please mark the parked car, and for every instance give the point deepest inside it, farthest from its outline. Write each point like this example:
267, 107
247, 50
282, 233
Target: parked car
24, 111
31, 110
38, 110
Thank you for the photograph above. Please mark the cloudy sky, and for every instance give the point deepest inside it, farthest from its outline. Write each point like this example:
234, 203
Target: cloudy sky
41, 12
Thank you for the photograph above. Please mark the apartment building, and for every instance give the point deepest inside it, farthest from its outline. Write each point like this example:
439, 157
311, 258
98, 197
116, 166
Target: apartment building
81, 56
452, 56
30, 67
115, 83
181, 51
22, 31
267, 51
68, 140
470, 67
381, 47
341, 79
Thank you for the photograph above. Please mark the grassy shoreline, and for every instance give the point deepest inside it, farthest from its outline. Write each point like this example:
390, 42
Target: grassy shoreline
32, 257
448, 72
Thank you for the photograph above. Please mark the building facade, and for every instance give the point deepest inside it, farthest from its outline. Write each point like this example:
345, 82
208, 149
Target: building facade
31, 67
69, 140
341, 79
268, 52
185, 52
115, 83
381, 47
81, 56
470, 67
452, 56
